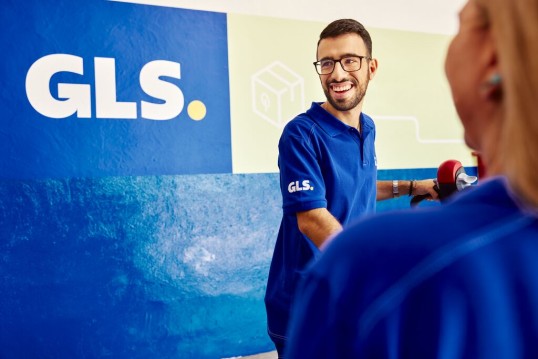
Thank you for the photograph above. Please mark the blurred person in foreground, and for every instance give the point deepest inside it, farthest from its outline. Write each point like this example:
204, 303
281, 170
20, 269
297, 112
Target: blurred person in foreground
465, 284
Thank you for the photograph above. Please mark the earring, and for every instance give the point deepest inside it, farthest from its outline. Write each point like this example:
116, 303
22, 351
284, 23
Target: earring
492, 88
495, 79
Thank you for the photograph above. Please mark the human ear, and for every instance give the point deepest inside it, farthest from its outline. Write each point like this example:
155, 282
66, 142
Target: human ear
372, 68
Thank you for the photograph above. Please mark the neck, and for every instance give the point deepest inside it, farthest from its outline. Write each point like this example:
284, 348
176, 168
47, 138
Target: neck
350, 117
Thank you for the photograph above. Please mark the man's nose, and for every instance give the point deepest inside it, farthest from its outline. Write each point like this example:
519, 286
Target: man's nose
338, 70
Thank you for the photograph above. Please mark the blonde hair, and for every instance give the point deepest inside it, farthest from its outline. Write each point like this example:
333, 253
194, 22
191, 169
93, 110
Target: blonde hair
514, 24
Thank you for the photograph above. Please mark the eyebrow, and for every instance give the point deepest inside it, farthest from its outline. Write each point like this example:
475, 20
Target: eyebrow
341, 57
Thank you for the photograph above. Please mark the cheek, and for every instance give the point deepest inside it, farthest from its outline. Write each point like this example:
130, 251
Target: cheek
472, 134
460, 75
323, 80
451, 64
457, 74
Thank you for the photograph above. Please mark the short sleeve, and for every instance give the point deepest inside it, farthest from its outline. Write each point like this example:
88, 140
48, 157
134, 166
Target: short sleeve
301, 179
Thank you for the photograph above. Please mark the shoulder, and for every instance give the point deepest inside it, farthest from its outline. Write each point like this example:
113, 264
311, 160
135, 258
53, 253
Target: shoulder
466, 210
304, 127
381, 262
307, 119
391, 243
299, 124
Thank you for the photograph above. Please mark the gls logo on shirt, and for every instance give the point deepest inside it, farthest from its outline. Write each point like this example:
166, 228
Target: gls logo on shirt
303, 186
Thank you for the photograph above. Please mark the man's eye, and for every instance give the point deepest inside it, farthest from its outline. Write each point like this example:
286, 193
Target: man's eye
326, 64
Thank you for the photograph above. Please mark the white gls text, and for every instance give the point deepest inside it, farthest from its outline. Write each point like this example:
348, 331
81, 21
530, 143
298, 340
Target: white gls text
303, 186
76, 98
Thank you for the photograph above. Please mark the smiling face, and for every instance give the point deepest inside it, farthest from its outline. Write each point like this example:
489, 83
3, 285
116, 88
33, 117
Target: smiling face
345, 90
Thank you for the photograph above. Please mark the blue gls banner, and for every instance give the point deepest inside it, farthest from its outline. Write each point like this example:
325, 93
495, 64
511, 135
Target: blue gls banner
100, 88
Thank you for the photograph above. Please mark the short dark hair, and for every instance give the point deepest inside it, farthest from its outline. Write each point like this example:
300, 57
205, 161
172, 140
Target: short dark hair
347, 26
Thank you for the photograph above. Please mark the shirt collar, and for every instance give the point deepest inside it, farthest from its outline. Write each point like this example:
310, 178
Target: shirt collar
331, 124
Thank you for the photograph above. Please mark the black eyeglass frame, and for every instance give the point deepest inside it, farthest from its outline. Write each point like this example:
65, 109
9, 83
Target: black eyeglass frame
316, 63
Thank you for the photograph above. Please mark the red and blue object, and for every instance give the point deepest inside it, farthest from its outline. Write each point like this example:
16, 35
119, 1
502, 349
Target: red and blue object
451, 178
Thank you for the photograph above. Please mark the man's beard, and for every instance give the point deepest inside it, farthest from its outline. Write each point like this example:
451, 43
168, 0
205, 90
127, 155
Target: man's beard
347, 104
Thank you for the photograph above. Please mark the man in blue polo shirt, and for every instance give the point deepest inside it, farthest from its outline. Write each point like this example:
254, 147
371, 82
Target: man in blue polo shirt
328, 166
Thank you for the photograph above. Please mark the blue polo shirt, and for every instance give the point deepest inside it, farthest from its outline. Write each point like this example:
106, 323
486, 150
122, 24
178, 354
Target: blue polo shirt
456, 281
323, 163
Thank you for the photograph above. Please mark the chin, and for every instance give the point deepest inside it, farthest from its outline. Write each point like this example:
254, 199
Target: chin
470, 143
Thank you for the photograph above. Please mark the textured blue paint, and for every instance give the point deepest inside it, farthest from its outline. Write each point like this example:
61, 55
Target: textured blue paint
140, 267
136, 267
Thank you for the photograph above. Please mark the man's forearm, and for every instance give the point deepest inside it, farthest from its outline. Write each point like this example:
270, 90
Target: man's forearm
386, 189
318, 225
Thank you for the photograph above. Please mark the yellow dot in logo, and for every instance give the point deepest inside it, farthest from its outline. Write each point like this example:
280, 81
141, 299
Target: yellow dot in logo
196, 110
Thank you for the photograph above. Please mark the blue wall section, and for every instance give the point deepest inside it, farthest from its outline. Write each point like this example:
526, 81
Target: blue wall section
35, 145
140, 267
136, 267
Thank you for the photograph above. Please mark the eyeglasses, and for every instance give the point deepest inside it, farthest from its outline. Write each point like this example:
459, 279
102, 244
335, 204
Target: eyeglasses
348, 63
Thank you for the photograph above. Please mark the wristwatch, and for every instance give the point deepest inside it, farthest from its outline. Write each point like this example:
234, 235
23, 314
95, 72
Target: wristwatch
395, 189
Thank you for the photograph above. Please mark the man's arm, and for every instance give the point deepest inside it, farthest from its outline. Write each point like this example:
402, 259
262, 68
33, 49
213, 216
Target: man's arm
318, 224
419, 187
